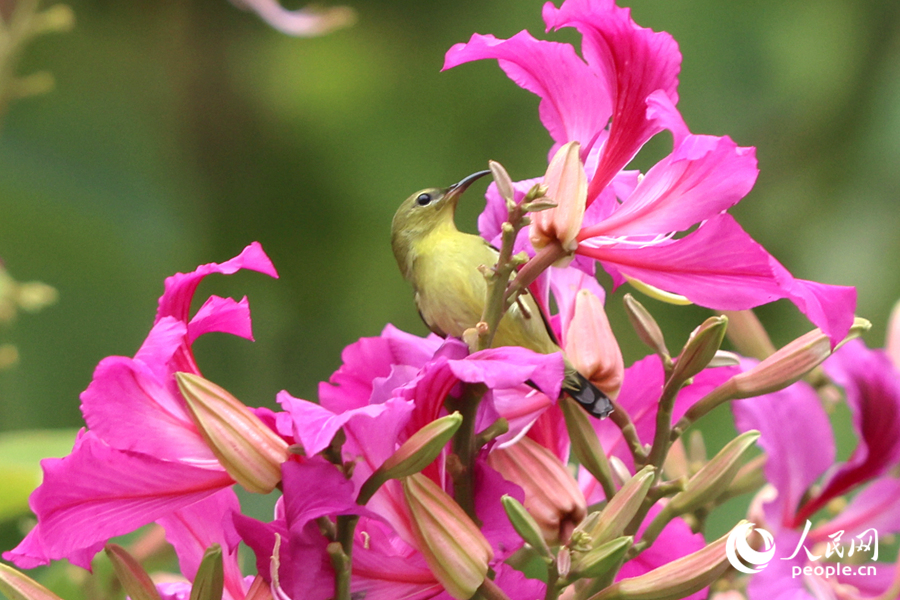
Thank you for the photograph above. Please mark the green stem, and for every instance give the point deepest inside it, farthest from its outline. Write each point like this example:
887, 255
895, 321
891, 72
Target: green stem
622, 420
661, 437
548, 255
346, 526
466, 449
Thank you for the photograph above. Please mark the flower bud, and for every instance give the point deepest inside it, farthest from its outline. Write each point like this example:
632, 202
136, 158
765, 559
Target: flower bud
892, 343
210, 578
622, 508
706, 485
248, 450
781, 369
526, 526
586, 445
415, 454
591, 346
677, 579
552, 495
792, 362
748, 335
134, 579
503, 181
567, 185
700, 348
453, 546
646, 327
18, 586
600, 560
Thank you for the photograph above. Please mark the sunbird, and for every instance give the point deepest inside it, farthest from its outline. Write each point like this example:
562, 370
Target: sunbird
442, 264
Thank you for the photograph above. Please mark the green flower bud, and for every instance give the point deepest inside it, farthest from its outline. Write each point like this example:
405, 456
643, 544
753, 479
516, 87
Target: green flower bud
586, 446
526, 526
710, 482
700, 348
677, 579
210, 579
134, 579
646, 327
415, 454
598, 561
18, 586
622, 508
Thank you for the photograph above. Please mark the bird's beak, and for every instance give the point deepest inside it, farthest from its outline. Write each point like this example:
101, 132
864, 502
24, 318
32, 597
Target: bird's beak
456, 190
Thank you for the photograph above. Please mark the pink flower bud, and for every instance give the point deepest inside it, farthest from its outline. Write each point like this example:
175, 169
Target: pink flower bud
453, 546
552, 495
250, 451
566, 186
591, 346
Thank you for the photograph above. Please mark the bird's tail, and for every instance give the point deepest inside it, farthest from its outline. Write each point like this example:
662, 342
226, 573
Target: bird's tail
585, 393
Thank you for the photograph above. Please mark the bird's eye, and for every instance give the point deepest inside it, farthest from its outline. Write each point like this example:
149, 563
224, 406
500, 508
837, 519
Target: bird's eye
423, 199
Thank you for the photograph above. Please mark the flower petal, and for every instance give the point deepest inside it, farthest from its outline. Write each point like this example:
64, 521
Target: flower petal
193, 529
576, 104
180, 288
796, 435
98, 492
704, 175
719, 266
632, 62
872, 386
133, 405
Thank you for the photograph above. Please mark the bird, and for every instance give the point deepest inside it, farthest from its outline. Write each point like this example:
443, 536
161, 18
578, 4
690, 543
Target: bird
443, 266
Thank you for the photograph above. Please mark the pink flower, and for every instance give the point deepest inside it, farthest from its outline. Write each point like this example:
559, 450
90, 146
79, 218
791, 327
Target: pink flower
388, 388
798, 439
142, 459
614, 98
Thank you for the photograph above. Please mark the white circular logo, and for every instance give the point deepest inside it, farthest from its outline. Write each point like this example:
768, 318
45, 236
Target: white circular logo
739, 551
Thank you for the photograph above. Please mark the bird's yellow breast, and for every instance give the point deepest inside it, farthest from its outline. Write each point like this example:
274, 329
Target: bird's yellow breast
450, 291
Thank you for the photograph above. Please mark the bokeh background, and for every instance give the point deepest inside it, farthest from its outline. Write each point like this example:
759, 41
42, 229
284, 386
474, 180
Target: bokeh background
181, 130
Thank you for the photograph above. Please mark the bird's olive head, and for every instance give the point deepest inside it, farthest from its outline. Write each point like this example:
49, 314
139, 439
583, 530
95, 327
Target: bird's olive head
427, 209
423, 213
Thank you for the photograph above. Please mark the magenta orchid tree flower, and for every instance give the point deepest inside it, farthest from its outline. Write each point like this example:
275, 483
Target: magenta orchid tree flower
619, 93
142, 459
388, 389
798, 440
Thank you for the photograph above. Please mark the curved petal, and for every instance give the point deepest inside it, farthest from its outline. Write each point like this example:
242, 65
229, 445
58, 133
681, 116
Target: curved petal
223, 315
180, 288
719, 266
876, 507
98, 492
704, 176
632, 62
131, 404
576, 104
872, 386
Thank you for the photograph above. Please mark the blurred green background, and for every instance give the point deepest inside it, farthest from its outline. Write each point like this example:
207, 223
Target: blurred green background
180, 131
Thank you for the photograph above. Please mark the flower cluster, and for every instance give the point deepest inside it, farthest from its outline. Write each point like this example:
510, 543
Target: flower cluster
427, 468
